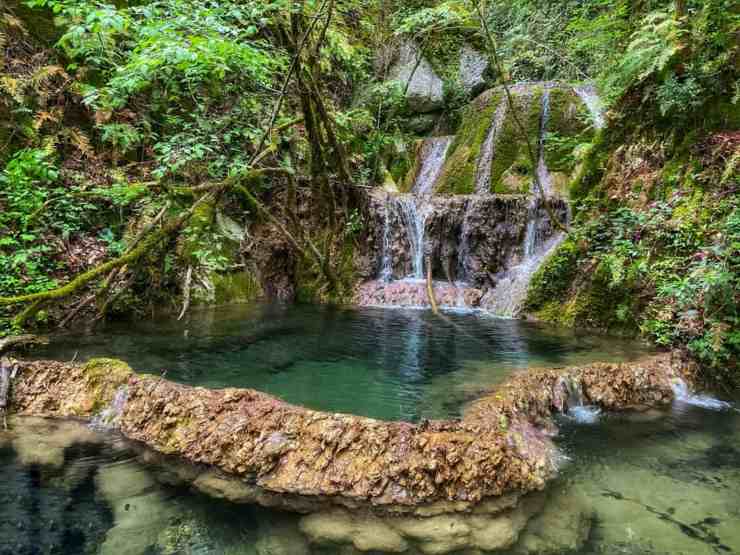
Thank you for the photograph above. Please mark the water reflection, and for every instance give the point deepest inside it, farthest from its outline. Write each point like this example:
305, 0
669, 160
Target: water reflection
390, 364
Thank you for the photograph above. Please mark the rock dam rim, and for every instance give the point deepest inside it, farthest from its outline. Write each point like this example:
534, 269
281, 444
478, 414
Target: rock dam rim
400, 364
296, 458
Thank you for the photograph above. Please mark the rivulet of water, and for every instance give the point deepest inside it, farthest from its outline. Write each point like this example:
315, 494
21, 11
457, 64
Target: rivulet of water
590, 97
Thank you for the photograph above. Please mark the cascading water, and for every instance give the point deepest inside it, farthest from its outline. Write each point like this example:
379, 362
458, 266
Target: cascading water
413, 216
489, 245
590, 98
108, 417
510, 291
488, 150
386, 266
433, 152
412, 209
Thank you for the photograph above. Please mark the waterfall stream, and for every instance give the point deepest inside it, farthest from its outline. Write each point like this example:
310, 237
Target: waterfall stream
510, 291
488, 150
590, 98
412, 209
487, 268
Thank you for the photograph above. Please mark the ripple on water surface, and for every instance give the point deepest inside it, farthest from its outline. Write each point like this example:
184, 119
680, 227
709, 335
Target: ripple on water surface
389, 364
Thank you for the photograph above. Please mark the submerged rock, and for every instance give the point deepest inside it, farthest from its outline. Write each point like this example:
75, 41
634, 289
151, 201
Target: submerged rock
140, 509
562, 527
432, 535
41, 441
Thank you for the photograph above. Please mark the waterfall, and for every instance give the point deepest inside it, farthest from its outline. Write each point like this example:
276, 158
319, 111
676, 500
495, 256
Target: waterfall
433, 152
488, 150
412, 209
109, 417
493, 268
413, 216
684, 395
386, 265
510, 291
590, 98
543, 174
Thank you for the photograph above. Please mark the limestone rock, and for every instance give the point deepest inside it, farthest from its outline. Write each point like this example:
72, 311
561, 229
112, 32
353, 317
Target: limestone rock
365, 531
425, 90
140, 510
562, 527
473, 66
434, 535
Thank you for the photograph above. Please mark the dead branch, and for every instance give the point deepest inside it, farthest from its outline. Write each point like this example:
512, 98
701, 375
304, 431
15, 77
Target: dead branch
186, 298
37, 299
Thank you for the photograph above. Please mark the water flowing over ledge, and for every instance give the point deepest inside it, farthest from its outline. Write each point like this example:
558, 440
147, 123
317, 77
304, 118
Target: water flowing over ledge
388, 486
287, 449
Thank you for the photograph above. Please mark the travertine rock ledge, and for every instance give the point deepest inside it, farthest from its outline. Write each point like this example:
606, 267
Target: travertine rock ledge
271, 449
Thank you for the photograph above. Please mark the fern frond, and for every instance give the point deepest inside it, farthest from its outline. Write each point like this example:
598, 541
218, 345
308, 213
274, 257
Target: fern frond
43, 74
12, 87
53, 116
10, 21
79, 140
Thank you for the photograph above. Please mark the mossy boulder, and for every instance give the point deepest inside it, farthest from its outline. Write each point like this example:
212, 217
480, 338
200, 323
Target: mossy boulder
491, 155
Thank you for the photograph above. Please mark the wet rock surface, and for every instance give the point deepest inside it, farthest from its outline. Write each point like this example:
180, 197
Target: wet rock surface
471, 238
438, 487
500, 446
414, 294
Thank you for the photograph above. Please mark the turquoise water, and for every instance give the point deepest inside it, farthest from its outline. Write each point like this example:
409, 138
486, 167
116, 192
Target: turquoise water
389, 364
655, 483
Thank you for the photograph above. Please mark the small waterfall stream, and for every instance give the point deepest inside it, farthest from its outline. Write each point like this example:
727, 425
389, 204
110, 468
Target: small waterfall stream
510, 291
412, 209
590, 98
488, 150
490, 267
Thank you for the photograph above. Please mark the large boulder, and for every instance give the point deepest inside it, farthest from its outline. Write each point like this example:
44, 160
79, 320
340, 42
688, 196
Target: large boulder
425, 89
472, 69
490, 155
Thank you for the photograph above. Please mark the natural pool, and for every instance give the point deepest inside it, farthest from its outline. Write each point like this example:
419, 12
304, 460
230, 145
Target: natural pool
651, 483
388, 364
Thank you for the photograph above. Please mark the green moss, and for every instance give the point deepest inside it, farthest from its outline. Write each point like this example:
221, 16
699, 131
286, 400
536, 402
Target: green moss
104, 376
511, 167
459, 172
237, 287
553, 279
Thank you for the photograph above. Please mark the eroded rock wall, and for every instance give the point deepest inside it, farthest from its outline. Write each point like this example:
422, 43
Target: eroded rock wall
467, 237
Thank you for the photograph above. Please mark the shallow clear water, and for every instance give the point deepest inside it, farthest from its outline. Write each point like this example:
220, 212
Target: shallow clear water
389, 364
652, 483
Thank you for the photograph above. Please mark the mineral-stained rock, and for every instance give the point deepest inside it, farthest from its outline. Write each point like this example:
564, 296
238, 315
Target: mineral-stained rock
468, 237
247, 446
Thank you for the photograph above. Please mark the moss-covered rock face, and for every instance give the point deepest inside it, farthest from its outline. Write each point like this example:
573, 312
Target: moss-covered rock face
490, 155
